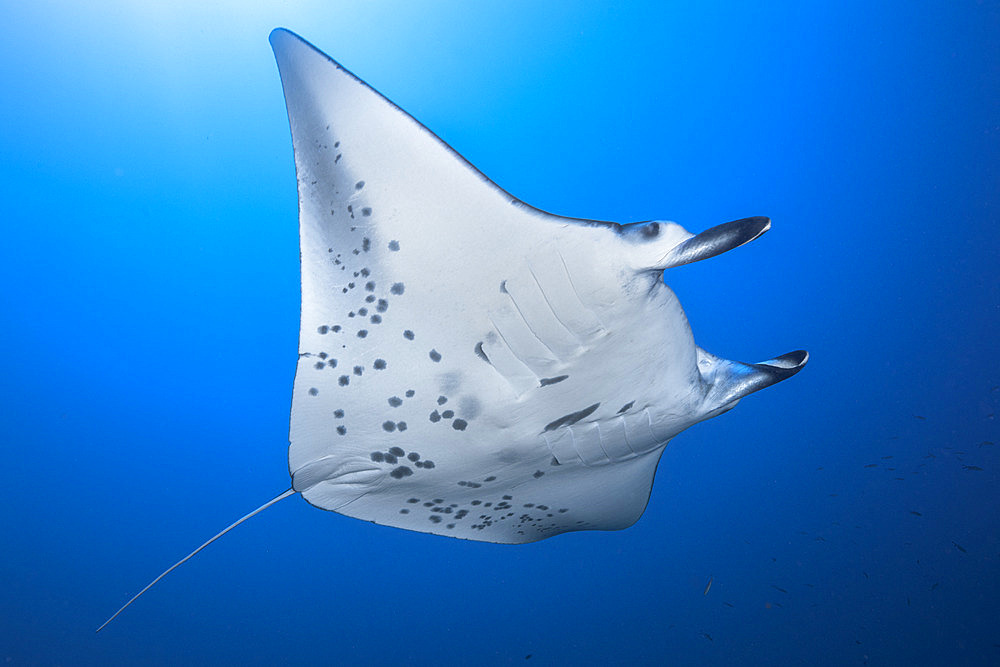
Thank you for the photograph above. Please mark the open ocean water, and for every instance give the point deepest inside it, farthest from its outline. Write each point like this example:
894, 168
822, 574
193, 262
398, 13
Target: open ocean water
149, 271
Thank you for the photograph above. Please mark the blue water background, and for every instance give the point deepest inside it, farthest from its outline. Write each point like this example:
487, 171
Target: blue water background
149, 286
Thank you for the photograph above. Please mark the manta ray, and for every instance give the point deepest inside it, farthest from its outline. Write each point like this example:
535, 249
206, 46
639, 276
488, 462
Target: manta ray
469, 365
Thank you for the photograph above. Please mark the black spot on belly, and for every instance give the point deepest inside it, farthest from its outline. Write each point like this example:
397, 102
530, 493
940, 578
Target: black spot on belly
459, 424
362, 333
413, 456
435, 518
397, 288
626, 407
442, 400
572, 418
435, 416
538, 473
359, 184
435, 356
343, 380
545, 382
388, 426
379, 364
395, 401
408, 335
378, 457
410, 393
358, 370
401, 472
394, 246
319, 365
396, 451
342, 430
391, 458
448, 414
401, 426
323, 329
366, 211
339, 414
370, 285
480, 353
313, 391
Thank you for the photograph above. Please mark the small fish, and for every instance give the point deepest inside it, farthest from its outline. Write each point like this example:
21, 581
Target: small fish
778, 588
907, 600
972, 468
729, 604
915, 513
960, 547
920, 417
886, 458
866, 575
528, 657
872, 465
708, 586
935, 585
986, 443
706, 636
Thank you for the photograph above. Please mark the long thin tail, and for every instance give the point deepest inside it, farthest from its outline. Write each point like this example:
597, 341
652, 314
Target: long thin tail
170, 569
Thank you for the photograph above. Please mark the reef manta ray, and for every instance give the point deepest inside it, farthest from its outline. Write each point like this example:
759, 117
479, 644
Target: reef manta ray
469, 365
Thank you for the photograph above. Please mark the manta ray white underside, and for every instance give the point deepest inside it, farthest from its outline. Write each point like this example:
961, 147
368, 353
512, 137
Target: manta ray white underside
469, 365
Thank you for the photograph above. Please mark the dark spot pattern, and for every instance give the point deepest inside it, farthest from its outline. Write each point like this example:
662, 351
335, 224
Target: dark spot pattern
480, 353
435, 356
397, 288
401, 472
379, 365
545, 382
408, 335
459, 424
313, 391
572, 418
394, 246
395, 401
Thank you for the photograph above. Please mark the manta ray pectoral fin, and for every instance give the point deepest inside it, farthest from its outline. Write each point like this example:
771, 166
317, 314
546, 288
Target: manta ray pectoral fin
732, 380
661, 246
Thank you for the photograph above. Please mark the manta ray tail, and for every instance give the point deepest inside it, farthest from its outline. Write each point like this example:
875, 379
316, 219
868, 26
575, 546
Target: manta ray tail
170, 569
